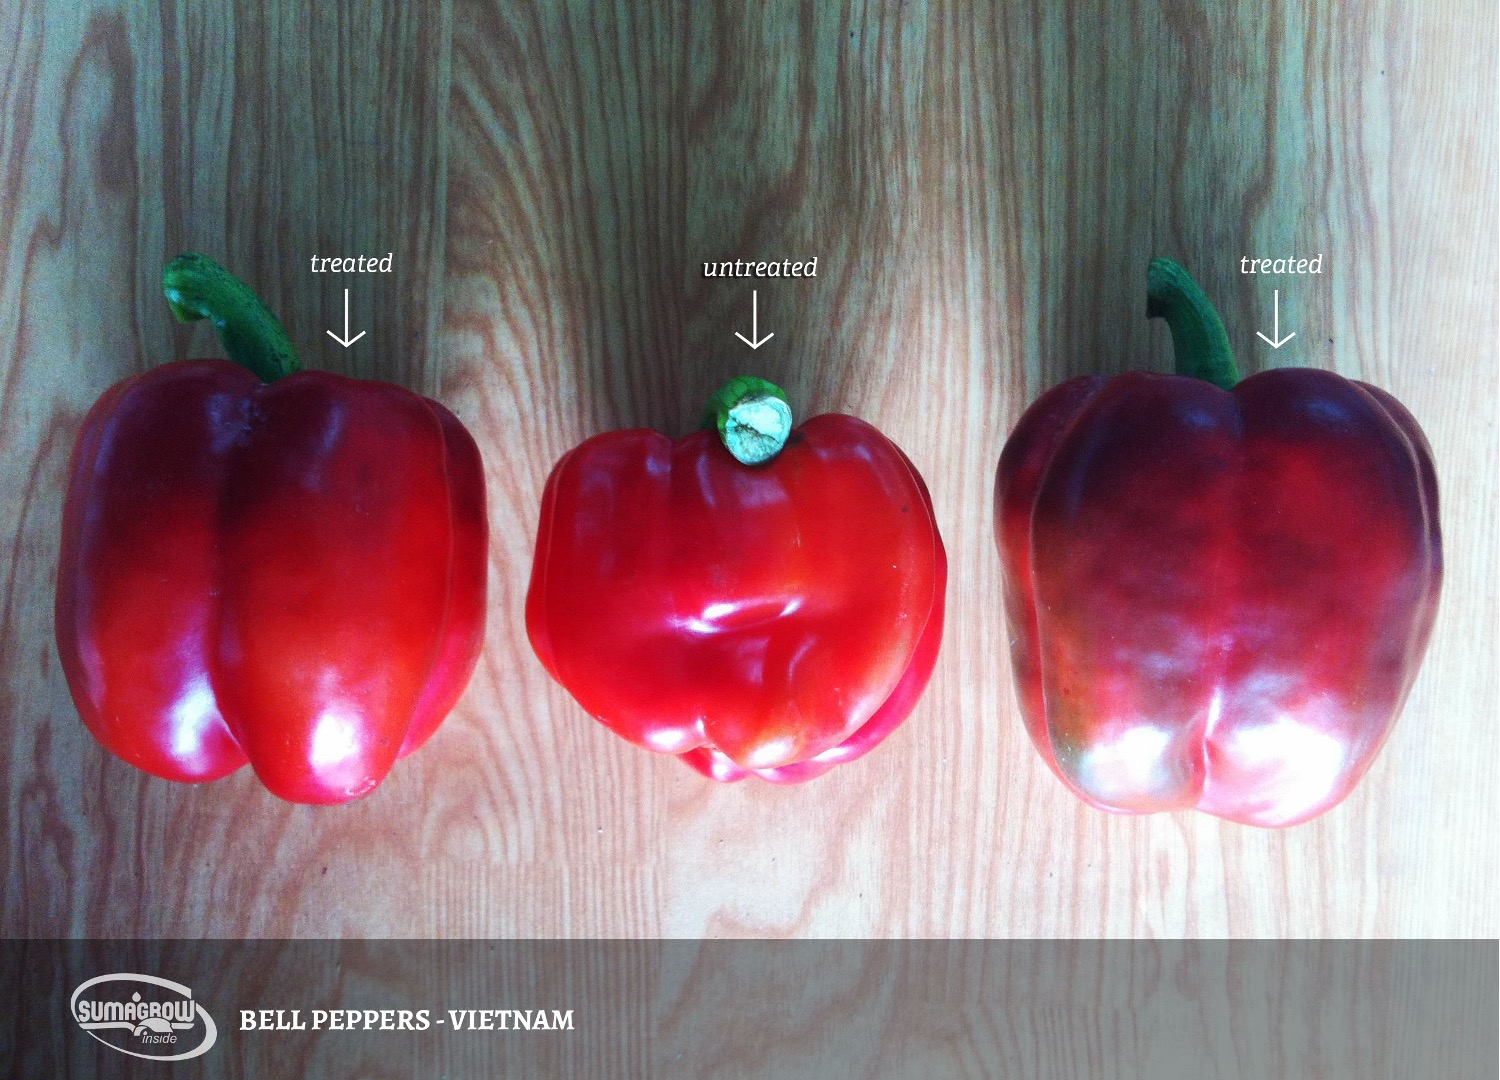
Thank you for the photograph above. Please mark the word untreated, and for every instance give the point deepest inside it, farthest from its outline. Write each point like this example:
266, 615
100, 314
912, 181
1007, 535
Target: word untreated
740, 268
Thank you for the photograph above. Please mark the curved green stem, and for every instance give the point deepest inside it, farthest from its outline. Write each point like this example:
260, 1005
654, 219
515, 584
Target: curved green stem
1198, 337
752, 418
199, 288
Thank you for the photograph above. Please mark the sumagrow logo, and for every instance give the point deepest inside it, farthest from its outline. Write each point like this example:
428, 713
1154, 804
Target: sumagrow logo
144, 1016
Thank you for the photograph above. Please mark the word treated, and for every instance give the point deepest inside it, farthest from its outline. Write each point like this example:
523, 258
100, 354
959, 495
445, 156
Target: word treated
1282, 266
354, 264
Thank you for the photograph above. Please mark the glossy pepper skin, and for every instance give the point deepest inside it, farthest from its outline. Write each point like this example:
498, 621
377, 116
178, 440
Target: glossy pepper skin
1218, 598
286, 573
771, 619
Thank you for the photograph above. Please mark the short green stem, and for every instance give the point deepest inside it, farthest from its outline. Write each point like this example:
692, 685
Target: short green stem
1198, 337
752, 418
199, 288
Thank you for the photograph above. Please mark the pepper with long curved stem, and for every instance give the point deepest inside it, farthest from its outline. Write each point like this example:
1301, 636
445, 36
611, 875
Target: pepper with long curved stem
266, 565
1219, 590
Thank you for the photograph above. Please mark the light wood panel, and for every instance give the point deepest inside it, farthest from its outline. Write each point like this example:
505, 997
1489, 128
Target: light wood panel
983, 186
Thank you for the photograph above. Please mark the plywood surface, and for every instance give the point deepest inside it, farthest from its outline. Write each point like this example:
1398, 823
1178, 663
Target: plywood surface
982, 185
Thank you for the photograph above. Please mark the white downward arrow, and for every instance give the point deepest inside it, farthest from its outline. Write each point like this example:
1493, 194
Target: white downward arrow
1276, 327
752, 341
346, 340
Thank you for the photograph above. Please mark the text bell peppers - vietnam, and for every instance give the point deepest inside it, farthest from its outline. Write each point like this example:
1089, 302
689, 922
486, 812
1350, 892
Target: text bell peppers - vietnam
755, 599
268, 565
1218, 592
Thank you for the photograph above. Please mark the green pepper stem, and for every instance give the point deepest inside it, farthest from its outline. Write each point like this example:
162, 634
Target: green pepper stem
199, 288
752, 418
1198, 338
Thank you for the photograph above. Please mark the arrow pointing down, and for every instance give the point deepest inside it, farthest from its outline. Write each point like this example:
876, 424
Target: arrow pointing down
751, 341
346, 340
1276, 326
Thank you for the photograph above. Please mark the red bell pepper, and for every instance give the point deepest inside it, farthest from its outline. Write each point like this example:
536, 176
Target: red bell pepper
751, 608
268, 565
1218, 592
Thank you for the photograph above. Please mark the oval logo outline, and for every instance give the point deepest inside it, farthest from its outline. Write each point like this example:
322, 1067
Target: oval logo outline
210, 1029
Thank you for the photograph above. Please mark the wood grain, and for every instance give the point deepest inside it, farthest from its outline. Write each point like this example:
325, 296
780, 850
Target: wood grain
983, 186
